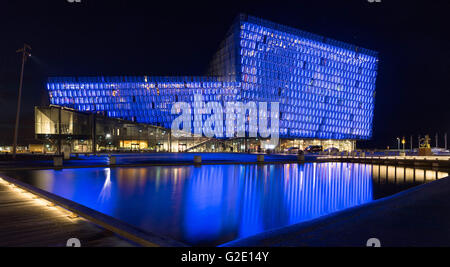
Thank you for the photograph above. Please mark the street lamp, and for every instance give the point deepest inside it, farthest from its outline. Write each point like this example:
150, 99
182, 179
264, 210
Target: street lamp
398, 143
25, 55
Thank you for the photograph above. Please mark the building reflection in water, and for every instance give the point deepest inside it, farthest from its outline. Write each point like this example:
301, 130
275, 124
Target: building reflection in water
257, 198
401, 175
213, 204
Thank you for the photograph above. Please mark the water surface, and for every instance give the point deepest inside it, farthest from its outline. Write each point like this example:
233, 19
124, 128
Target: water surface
214, 204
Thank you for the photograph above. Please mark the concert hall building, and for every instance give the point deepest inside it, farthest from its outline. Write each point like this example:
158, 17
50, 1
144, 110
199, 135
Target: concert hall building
325, 89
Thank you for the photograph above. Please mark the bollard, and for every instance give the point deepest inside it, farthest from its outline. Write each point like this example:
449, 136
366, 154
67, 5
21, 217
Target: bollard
112, 160
66, 155
57, 161
363, 154
260, 158
197, 159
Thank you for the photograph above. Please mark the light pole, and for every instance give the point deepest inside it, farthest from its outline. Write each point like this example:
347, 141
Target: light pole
445, 141
25, 55
437, 140
398, 143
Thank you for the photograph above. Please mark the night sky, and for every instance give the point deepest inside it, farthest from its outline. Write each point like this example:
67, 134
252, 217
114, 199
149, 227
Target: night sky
134, 37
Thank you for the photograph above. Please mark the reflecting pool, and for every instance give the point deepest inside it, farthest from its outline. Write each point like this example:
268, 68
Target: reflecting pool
214, 204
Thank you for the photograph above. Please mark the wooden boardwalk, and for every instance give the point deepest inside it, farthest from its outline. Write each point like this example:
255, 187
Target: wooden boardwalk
31, 222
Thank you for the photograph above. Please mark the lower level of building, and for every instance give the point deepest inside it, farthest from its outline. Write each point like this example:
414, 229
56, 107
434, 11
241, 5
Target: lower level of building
61, 129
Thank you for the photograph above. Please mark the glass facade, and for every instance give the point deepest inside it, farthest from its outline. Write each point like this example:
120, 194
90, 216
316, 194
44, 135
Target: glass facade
84, 132
326, 88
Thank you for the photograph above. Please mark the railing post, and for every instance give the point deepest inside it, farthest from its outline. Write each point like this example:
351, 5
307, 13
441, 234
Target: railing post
260, 158
197, 159
112, 160
57, 161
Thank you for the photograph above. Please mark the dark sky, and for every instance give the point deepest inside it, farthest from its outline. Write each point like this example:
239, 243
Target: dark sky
134, 37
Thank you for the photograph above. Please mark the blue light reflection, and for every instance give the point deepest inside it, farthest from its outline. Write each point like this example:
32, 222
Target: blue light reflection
211, 205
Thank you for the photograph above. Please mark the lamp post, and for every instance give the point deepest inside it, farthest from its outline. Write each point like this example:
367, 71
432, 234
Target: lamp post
445, 141
398, 143
25, 55
437, 140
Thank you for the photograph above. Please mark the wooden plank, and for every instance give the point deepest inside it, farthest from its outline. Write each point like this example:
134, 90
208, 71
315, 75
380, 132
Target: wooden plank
25, 222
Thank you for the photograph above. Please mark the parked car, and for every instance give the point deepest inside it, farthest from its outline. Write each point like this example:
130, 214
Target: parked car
314, 149
332, 150
292, 150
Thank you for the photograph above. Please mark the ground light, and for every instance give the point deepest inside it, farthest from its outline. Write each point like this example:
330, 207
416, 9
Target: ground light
42, 202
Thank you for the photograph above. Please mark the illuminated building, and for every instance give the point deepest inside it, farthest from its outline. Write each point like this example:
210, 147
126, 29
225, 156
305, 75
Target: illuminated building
326, 88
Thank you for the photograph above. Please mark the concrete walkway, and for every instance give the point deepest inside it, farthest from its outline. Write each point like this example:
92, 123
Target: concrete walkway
29, 222
417, 217
146, 160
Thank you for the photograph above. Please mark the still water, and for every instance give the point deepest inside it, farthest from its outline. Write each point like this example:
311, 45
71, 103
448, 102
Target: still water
214, 204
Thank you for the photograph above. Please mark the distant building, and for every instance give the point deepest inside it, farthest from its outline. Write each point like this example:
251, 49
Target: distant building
326, 88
